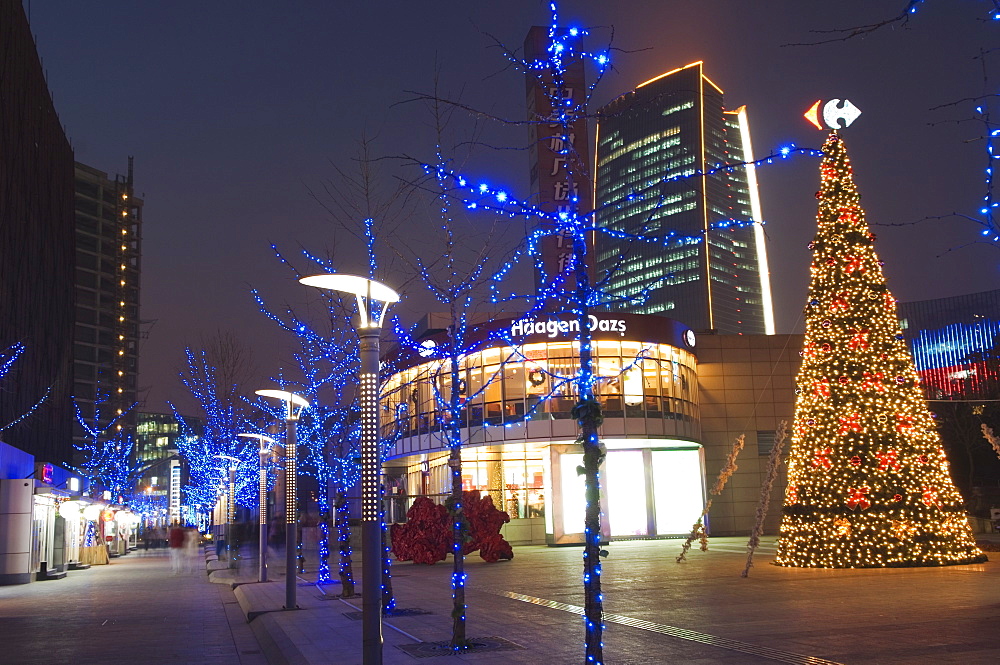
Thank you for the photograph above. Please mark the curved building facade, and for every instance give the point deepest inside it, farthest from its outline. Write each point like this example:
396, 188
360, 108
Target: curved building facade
519, 434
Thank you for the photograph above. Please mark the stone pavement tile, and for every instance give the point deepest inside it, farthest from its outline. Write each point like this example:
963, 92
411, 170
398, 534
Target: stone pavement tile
850, 616
132, 609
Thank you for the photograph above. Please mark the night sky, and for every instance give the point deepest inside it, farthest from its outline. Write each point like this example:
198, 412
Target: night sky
237, 111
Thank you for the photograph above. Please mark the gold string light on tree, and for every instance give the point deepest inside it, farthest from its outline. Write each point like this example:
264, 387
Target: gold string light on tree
868, 481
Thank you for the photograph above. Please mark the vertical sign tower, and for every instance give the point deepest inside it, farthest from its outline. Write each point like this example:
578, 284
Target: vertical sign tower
551, 158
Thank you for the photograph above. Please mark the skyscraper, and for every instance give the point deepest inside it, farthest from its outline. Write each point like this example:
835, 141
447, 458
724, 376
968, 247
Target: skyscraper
108, 251
653, 145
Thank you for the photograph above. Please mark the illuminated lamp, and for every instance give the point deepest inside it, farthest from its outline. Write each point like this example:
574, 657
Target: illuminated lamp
92, 512
633, 387
373, 300
266, 443
70, 510
291, 401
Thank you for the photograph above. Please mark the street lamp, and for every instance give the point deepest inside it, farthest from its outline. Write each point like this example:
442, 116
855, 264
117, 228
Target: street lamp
265, 442
230, 502
373, 299
291, 400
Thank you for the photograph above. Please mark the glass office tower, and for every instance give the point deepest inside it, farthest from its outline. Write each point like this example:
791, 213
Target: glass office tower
661, 173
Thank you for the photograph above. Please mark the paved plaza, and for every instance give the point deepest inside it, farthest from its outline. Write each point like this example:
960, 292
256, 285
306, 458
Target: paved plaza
659, 611
131, 611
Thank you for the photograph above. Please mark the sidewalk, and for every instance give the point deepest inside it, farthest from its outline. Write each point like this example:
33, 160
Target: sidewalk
659, 611
131, 610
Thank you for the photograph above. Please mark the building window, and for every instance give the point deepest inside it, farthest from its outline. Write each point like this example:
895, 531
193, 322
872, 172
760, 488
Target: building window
765, 442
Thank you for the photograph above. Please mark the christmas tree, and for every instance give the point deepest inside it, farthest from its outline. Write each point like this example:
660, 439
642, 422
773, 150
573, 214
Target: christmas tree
868, 482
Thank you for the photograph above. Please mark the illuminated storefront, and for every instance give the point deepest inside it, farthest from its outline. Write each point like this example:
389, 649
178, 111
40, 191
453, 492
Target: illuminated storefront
519, 433
953, 341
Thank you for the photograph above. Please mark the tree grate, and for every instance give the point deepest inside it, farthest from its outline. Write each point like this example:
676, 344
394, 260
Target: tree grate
403, 612
476, 645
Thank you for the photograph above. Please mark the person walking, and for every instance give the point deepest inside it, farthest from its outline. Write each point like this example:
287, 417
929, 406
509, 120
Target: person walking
191, 540
176, 540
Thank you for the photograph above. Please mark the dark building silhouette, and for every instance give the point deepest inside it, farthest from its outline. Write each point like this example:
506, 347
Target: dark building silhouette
36, 249
652, 145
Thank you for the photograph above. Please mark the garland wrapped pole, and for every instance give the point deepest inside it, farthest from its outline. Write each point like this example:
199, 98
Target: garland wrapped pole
773, 462
345, 568
698, 528
992, 438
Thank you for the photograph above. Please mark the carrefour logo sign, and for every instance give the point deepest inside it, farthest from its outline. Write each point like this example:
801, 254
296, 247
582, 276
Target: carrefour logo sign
553, 328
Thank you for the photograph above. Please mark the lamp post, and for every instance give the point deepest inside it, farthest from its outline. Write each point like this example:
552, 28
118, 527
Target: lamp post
291, 401
230, 502
373, 300
265, 448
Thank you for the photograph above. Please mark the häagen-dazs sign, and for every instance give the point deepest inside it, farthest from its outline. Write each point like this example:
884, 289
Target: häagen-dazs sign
555, 328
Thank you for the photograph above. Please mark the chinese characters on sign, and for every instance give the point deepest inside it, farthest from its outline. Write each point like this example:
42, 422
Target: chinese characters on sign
560, 164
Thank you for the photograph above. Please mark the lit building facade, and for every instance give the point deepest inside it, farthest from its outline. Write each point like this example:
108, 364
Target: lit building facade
164, 473
954, 343
108, 253
36, 250
652, 145
520, 434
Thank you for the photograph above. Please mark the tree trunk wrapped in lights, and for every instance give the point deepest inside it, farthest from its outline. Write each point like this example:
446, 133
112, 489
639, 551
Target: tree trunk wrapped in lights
868, 482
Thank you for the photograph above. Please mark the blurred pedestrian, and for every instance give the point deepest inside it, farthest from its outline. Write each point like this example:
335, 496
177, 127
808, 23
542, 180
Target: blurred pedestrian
191, 540
176, 540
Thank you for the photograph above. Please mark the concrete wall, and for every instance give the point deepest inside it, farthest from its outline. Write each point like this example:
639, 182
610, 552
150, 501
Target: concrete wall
747, 384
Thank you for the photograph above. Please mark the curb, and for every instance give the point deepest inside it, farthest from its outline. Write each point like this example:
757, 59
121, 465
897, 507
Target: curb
277, 645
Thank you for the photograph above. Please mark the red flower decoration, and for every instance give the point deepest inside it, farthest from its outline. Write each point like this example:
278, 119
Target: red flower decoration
427, 536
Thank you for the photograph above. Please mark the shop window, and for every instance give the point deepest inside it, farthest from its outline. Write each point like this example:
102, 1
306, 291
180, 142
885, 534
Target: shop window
493, 413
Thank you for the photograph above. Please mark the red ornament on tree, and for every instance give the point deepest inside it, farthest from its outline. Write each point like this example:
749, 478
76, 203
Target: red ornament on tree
930, 497
851, 423
858, 498
888, 459
822, 458
873, 382
859, 341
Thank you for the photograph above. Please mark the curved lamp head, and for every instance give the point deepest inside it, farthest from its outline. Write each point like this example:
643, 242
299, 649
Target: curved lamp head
231, 459
265, 441
367, 291
290, 399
